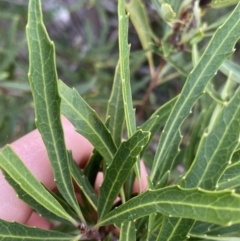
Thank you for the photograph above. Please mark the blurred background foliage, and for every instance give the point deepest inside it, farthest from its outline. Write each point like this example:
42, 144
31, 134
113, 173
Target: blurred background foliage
163, 35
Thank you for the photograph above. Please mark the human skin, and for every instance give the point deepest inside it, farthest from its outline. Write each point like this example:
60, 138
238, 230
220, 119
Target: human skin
31, 149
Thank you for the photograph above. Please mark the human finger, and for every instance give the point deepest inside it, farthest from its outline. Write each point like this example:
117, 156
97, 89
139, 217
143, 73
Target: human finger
31, 149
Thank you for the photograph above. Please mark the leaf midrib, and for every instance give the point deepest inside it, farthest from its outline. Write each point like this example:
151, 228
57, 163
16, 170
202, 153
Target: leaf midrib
49, 119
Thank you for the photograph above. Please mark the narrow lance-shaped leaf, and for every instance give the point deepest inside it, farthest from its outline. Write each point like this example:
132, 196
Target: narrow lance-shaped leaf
203, 227
199, 126
12, 48
11, 231
216, 148
40, 209
139, 18
119, 170
92, 166
220, 47
158, 118
128, 232
213, 229
124, 50
229, 67
43, 82
150, 229
87, 122
221, 207
15, 168
222, 3
116, 108
83, 183
209, 89
220, 230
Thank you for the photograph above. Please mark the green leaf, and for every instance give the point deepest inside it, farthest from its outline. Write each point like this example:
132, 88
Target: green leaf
216, 148
128, 232
220, 230
163, 182
214, 94
11, 231
200, 125
219, 48
14, 85
158, 118
150, 227
214, 230
92, 167
40, 209
230, 178
174, 229
119, 170
124, 50
167, 13
8, 55
215, 238
83, 183
202, 227
43, 82
140, 21
15, 168
222, 3
228, 67
236, 156
87, 122
221, 207
116, 109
